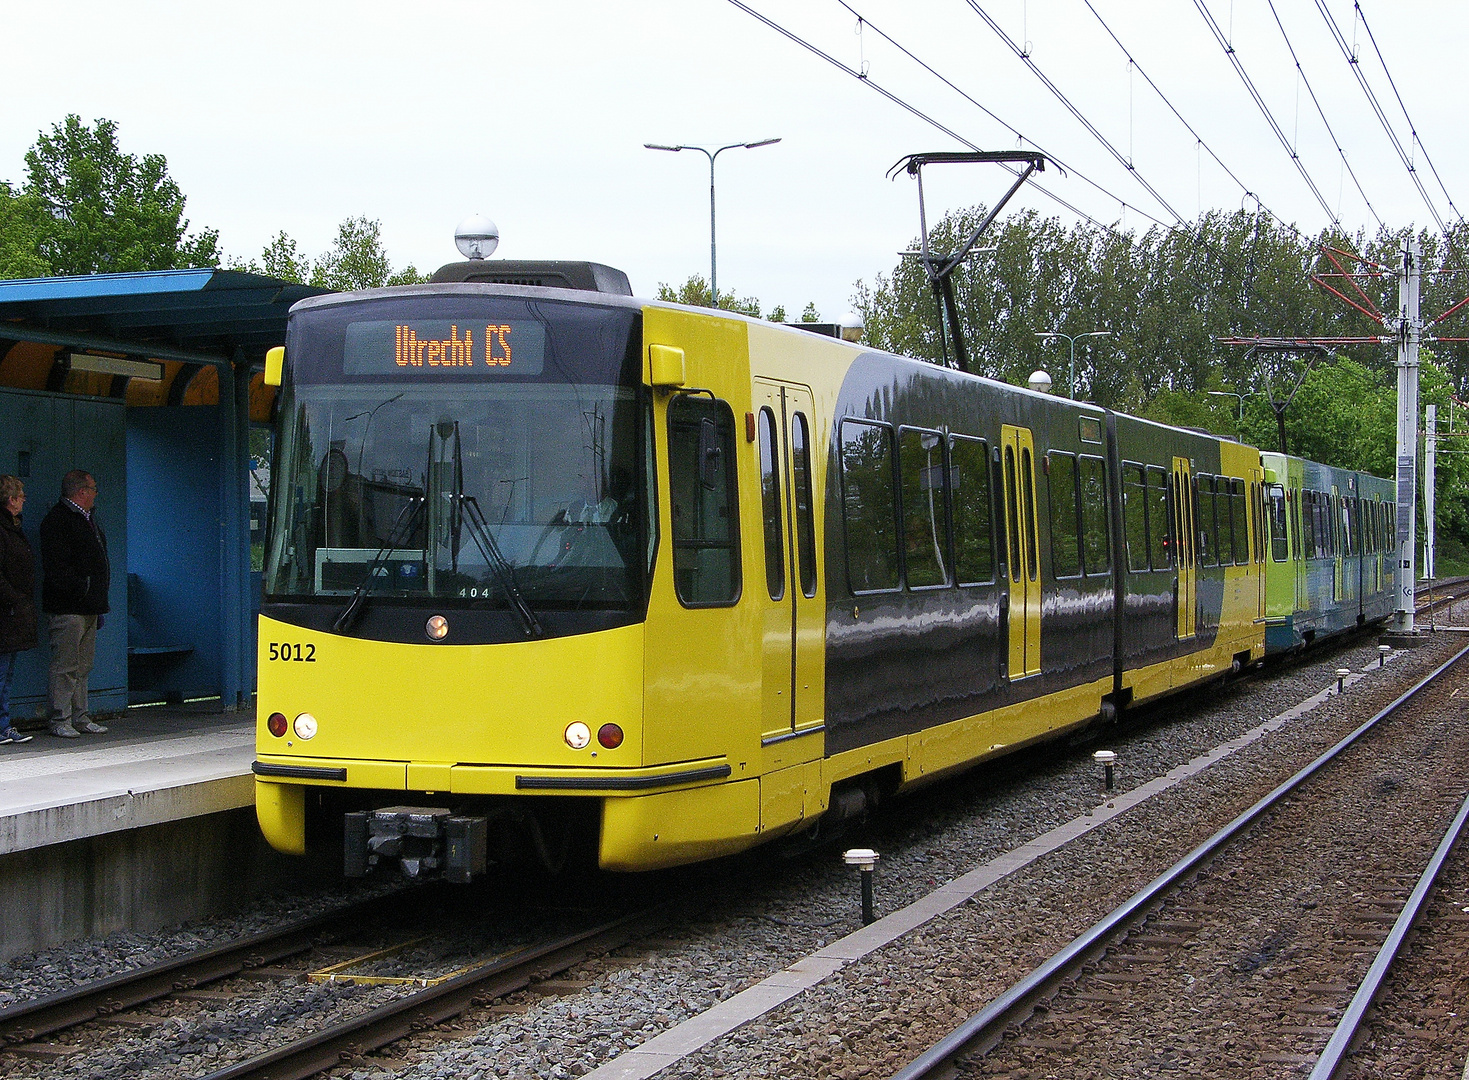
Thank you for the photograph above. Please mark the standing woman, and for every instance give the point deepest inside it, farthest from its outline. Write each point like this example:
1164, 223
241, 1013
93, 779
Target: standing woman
17, 597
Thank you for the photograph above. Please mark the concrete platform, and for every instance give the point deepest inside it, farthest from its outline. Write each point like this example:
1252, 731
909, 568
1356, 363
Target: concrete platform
147, 826
153, 766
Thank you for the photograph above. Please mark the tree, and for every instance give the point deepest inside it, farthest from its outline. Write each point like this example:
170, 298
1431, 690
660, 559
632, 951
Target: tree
282, 259
358, 260
695, 293
20, 238
104, 211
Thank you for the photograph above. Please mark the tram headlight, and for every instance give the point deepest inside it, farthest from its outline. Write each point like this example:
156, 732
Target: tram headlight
437, 627
610, 736
305, 726
577, 735
277, 724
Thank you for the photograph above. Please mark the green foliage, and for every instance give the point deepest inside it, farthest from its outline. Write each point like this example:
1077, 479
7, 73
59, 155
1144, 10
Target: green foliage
20, 236
1168, 299
357, 260
695, 293
282, 259
100, 210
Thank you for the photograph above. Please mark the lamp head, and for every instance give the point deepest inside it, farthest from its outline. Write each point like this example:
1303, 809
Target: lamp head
477, 237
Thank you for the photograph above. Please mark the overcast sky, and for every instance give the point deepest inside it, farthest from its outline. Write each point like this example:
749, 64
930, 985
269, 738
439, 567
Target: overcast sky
293, 116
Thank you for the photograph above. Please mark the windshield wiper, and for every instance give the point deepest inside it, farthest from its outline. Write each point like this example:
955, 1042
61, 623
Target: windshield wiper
347, 617
489, 549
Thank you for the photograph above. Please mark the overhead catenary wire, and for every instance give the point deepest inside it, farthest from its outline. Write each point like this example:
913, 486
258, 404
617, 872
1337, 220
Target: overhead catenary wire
1413, 128
1121, 158
1234, 60
1321, 112
1182, 227
1063, 165
1392, 136
1199, 141
866, 80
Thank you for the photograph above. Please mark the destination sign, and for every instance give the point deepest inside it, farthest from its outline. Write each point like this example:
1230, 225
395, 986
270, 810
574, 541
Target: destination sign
444, 346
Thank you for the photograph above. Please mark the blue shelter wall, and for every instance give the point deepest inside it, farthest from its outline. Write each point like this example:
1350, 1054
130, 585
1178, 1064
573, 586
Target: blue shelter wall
174, 566
42, 437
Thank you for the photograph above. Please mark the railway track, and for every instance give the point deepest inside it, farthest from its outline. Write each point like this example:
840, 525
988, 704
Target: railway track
25, 1023
396, 1006
1257, 933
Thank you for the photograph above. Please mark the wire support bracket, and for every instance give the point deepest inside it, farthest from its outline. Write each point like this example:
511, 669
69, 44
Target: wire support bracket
940, 268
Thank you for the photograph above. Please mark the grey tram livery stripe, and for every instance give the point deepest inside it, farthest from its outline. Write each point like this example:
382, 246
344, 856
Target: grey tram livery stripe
621, 783
298, 772
663, 1050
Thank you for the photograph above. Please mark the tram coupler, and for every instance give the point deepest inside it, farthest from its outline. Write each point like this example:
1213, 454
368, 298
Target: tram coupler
427, 842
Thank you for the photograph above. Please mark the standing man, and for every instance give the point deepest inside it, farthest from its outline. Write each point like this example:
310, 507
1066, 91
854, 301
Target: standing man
74, 580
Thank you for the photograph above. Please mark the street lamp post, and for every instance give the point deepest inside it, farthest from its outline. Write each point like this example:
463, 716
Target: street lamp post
713, 286
1071, 340
1238, 397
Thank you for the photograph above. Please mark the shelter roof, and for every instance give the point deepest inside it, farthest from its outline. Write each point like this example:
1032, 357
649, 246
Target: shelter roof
197, 316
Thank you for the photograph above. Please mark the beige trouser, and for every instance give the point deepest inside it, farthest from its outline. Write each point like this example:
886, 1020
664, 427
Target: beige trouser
73, 646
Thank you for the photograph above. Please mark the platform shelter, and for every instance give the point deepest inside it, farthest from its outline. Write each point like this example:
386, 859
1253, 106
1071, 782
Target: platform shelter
152, 382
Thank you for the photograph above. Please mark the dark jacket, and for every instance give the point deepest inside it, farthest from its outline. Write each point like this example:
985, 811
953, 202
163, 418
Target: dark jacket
17, 587
74, 570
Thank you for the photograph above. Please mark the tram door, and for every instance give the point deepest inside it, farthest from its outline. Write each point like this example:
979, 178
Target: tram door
1018, 457
793, 615
1187, 594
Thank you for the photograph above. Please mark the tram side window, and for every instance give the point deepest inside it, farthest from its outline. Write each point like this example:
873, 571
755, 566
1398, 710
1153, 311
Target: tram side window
1065, 520
1257, 518
1160, 543
869, 506
1240, 523
1225, 532
1027, 492
775, 572
1135, 516
969, 487
1349, 517
1208, 534
1095, 553
1308, 522
805, 521
925, 530
702, 484
1279, 543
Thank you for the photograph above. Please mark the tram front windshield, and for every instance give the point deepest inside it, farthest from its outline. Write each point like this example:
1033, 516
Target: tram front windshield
474, 451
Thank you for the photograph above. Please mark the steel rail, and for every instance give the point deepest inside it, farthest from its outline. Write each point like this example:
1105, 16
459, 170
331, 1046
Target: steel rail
31, 1020
1340, 1043
424, 1009
986, 1026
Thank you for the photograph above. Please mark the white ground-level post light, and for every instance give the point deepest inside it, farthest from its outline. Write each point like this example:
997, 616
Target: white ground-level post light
864, 859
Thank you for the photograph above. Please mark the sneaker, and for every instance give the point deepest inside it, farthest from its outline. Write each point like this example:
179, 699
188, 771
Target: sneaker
10, 735
65, 731
91, 727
